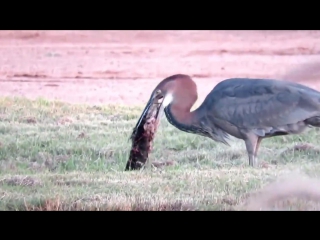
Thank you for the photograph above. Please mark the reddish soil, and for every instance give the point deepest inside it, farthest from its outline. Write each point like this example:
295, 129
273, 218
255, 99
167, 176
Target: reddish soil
124, 66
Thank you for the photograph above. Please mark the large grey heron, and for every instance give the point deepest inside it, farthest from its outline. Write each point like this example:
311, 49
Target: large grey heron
248, 109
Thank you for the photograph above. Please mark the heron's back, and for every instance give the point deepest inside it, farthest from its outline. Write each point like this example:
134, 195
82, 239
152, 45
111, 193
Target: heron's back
246, 87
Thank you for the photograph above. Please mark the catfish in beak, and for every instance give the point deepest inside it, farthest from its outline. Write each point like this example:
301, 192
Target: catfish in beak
144, 132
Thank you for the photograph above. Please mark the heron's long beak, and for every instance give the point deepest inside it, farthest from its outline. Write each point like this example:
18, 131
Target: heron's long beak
152, 109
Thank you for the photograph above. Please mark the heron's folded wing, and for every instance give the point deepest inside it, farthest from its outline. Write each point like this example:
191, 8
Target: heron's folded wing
266, 110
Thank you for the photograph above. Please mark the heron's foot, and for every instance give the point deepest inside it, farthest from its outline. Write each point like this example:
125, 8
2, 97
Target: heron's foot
254, 165
253, 162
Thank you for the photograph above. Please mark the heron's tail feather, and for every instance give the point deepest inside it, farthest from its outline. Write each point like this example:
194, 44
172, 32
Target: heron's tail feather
314, 121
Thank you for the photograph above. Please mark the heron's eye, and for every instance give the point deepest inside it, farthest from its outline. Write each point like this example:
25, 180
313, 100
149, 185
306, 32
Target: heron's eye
158, 91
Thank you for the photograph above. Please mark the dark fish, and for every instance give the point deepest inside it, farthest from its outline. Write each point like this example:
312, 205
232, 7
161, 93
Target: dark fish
144, 132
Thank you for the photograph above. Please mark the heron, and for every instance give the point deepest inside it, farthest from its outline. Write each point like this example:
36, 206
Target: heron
250, 109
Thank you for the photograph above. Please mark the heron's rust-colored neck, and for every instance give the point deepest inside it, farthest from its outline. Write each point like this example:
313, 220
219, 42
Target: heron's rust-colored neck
181, 112
181, 117
184, 95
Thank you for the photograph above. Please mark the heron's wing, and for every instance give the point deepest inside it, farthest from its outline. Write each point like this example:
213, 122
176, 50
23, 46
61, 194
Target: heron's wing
265, 105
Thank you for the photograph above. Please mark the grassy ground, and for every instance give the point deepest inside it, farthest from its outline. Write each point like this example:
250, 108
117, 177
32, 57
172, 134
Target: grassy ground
55, 156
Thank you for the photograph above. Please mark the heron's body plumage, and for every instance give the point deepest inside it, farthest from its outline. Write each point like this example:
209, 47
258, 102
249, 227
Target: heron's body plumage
266, 107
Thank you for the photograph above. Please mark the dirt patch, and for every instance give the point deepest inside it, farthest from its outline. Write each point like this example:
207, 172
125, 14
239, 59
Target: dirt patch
274, 195
101, 67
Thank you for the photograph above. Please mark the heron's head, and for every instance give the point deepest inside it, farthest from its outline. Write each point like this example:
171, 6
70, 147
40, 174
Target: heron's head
178, 88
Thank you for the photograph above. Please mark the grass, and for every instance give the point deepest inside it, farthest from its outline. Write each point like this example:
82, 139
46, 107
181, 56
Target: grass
55, 156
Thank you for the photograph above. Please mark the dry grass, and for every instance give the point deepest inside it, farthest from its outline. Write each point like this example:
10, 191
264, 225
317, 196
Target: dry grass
55, 156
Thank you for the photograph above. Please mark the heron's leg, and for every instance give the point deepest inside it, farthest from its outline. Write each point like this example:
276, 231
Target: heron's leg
257, 147
251, 143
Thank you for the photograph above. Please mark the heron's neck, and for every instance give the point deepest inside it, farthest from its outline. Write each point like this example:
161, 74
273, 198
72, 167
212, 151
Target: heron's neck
181, 117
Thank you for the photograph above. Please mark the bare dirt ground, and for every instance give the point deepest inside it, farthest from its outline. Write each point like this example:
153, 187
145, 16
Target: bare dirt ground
101, 67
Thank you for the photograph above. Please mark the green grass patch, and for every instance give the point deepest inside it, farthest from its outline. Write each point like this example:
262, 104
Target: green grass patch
57, 156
